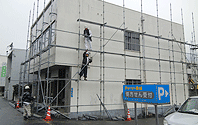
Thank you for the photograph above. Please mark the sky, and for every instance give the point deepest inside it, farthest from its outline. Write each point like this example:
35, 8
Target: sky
15, 17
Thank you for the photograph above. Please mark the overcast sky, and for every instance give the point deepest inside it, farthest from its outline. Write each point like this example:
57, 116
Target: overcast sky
15, 14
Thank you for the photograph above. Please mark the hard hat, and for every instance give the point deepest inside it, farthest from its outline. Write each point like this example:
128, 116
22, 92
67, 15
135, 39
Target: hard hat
86, 26
27, 87
87, 54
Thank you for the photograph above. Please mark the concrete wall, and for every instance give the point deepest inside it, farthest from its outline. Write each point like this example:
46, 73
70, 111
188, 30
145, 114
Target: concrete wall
15, 58
91, 10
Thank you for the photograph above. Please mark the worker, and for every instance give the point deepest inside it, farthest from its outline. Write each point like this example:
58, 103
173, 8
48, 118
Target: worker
85, 63
27, 99
88, 38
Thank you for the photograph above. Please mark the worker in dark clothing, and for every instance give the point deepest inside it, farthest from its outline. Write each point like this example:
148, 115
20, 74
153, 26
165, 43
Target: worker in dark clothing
27, 99
88, 38
85, 63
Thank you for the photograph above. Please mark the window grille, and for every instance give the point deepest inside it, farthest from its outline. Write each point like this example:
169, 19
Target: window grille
132, 41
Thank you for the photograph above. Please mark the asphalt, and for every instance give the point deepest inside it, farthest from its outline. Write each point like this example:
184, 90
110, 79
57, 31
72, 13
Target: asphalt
11, 116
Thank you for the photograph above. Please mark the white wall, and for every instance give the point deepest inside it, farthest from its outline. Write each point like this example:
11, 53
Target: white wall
91, 10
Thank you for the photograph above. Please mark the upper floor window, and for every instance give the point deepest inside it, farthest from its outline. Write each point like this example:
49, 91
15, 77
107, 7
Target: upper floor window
132, 41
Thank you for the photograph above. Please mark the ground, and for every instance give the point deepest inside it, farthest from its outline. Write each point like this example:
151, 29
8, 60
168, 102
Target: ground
11, 116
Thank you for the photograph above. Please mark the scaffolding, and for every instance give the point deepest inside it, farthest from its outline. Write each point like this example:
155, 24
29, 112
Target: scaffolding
45, 41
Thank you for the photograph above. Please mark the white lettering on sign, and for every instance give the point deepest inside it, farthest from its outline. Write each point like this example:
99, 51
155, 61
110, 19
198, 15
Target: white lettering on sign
160, 92
166, 93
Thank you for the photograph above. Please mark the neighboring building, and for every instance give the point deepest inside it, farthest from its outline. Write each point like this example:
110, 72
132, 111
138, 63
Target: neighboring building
123, 60
14, 60
3, 62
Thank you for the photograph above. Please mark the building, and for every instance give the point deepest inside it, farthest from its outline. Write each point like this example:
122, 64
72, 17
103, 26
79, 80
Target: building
3, 62
14, 59
127, 49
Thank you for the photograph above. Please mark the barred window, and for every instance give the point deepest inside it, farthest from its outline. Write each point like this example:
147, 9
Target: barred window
43, 40
132, 41
132, 81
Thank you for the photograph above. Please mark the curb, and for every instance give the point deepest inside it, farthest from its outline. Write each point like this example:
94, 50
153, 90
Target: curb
21, 110
11, 104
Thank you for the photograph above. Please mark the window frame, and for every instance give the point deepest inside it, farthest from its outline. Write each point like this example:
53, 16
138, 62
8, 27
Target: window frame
133, 81
132, 41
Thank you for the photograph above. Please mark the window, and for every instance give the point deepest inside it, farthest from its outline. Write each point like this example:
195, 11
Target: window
132, 81
43, 40
132, 41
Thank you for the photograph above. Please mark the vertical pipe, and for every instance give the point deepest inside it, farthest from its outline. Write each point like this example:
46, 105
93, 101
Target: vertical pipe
25, 65
143, 45
170, 71
34, 60
191, 60
39, 71
100, 68
183, 70
173, 53
31, 46
159, 46
20, 77
50, 85
158, 41
30, 53
194, 54
136, 119
103, 56
140, 61
182, 55
124, 43
26, 57
156, 113
47, 84
79, 38
194, 50
191, 56
143, 54
33, 13
193, 29
57, 92
184, 52
39, 61
49, 42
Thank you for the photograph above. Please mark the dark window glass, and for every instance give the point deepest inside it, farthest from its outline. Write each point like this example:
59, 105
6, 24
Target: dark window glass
132, 81
132, 41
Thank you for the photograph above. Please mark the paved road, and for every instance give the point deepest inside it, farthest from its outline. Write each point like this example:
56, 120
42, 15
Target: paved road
10, 116
148, 121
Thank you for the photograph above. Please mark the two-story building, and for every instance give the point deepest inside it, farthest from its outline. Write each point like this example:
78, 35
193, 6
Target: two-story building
125, 50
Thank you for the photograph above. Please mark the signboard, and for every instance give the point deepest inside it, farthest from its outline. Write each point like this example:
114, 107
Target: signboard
156, 94
3, 72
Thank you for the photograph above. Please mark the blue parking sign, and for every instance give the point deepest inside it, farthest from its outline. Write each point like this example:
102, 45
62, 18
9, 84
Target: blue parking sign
155, 94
